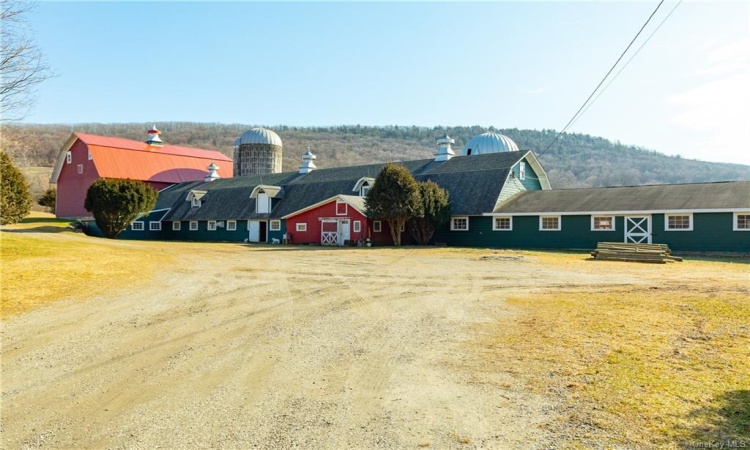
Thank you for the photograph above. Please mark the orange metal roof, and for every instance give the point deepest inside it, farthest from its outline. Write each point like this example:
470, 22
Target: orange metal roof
125, 158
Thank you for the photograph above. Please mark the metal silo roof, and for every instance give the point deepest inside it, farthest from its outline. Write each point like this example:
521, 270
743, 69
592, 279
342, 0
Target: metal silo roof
489, 143
259, 135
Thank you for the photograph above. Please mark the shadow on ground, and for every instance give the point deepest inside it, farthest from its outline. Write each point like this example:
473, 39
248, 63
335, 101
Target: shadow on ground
726, 422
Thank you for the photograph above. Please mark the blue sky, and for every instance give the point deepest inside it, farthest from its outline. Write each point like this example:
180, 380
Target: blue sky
502, 64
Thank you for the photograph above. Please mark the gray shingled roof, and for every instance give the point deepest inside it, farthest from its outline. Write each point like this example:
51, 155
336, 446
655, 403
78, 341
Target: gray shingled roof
473, 183
667, 197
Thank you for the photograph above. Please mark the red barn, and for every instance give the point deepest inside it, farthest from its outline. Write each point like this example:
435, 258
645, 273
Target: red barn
334, 221
84, 158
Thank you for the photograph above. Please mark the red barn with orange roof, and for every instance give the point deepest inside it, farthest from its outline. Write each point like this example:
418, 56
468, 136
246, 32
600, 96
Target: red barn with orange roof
84, 158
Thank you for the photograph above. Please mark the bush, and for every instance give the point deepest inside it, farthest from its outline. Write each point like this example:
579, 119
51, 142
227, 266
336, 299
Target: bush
48, 199
116, 203
15, 199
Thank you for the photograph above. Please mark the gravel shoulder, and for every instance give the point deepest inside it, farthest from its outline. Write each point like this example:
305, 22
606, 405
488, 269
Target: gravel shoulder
270, 347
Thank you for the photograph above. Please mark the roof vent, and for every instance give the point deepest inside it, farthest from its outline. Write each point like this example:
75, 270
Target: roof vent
307, 162
212, 173
444, 151
153, 137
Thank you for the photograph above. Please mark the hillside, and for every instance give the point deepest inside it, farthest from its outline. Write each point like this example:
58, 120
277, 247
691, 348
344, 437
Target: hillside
576, 160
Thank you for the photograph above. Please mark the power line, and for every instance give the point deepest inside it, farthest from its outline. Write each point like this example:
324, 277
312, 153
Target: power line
570, 122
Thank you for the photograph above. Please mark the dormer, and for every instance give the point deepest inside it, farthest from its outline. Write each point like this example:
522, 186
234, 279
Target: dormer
264, 195
195, 197
363, 186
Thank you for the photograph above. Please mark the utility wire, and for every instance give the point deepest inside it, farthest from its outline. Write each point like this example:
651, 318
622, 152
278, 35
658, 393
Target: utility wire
603, 79
626, 63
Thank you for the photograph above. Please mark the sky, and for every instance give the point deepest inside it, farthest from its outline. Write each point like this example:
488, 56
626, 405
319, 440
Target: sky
527, 65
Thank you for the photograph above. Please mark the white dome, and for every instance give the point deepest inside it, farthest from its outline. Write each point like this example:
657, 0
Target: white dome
489, 143
259, 135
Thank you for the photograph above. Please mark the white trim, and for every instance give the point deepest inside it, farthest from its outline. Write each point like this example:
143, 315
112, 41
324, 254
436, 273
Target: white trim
231, 225
176, 225
494, 223
211, 225
193, 228
301, 226
139, 223
357, 226
274, 225
690, 222
735, 222
324, 202
346, 208
611, 218
90, 156
154, 226
635, 231
79, 169
377, 226
617, 213
61, 157
453, 223
68, 157
522, 170
541, 223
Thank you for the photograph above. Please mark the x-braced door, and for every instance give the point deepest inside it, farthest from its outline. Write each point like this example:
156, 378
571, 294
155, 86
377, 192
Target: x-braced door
638, 229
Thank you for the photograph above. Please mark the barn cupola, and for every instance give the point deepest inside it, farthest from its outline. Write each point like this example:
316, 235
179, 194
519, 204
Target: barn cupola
153, 137
213, 173
307, 162
444, 151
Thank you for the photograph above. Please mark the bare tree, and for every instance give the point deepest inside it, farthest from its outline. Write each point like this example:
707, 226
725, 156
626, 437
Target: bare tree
21, 64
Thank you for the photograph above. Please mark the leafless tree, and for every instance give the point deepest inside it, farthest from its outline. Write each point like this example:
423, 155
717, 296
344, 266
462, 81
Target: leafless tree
21, 64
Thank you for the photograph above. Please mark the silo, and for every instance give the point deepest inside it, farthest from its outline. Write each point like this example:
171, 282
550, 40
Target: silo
257, 152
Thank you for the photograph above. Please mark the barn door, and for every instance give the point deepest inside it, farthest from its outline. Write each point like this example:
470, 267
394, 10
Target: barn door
343, 231
638, 229
253, 227
328, 232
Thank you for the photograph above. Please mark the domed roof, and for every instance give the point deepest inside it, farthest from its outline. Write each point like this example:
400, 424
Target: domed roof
259, 135
489, 143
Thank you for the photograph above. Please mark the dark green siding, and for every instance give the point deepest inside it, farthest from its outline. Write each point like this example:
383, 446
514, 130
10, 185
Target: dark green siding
276, 234
531, 182
202, 234
711, 232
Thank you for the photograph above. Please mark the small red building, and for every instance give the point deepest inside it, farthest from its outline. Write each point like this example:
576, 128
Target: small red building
84, 158
334, 222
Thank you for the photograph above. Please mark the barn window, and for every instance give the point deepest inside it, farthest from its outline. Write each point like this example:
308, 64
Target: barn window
211, 225
678, 222
193, 225
154, 226
522, 170
90, 156
231, 225
377, 226
263, 204
460, 224
136, 226
68, 157
176, 225
357, 226
341, 208
301, 227
275, 225
504, 223
79, 168
602, 223
196, 202
364, 190
549, 223
741, 221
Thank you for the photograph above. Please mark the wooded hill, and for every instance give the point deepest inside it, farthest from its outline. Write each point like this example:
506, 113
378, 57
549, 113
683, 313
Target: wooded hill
575, 160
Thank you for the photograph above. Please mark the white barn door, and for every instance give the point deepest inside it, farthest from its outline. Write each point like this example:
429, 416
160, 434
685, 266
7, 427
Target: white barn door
343, 231
638, 229
253, 228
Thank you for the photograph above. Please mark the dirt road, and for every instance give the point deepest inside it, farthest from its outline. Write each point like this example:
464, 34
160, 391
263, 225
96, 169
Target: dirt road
271, 347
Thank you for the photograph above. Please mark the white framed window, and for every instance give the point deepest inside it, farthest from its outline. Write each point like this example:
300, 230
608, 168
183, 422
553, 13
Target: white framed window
136, 226
502, 223
678, 222
341, 208
211, 225
522, 170
459, 223
364, 190
79, 169
193, 225
301, 227
741, 221
602, 223
176, 225
68, 158
90, 156
357, 226
231, 225
154, 226
275, 225
196, 203
263, 203
549, 223
377, 226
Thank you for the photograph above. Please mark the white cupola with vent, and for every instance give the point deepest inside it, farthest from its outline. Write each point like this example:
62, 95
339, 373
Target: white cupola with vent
307, 162
153, 137
445, 151
212, 174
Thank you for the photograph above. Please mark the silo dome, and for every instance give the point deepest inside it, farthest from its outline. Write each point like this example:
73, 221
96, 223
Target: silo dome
258, 151
260, 135
489, 143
